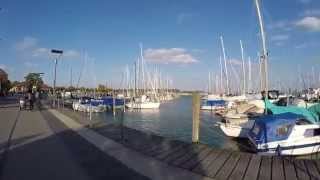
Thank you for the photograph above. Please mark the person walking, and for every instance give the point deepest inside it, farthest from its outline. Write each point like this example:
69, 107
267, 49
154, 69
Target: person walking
30, 99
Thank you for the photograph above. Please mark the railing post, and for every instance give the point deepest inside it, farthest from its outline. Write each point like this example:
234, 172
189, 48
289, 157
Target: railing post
195, 117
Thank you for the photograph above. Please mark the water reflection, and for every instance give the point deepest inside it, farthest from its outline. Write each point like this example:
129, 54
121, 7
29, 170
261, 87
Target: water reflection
174, 120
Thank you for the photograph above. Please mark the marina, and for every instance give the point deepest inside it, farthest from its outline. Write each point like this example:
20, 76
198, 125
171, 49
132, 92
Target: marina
141, 90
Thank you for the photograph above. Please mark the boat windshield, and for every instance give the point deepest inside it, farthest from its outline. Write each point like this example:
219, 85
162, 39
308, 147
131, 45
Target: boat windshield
283, 130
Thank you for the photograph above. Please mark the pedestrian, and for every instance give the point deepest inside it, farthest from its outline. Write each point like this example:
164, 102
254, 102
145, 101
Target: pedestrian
30, 99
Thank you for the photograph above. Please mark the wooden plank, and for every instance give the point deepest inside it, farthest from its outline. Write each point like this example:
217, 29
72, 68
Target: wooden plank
204, 164
289, 170
151, 149
196, 159
265, 168
241, 167
218, 163
228, 167
253, 168
301, 170
312, 169
166, 152
164, 147
277, 168
178, 154
317, 162
188, 156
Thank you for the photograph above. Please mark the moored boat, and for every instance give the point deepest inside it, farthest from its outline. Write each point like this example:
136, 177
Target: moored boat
285, 134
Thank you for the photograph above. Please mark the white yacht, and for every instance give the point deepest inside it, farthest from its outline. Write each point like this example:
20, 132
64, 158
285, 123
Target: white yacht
145, 102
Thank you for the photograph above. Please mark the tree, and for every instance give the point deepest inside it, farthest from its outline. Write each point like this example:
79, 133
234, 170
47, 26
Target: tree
33, 79
5, 86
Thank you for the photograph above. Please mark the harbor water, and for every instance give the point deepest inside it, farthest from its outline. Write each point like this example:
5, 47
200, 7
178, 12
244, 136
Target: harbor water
174, 120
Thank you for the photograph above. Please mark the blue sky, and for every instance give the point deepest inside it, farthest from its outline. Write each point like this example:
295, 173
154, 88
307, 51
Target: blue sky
180, 37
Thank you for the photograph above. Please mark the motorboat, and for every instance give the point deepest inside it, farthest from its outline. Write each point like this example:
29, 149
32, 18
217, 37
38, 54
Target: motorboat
238, 124
86, 104
213, 102
285, 134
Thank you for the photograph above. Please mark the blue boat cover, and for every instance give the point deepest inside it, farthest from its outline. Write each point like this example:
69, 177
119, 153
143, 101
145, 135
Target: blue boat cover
108, 101
272, 128
214, 103
310, 115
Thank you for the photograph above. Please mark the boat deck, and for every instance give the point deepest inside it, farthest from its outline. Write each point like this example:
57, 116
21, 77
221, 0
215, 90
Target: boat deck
207, 161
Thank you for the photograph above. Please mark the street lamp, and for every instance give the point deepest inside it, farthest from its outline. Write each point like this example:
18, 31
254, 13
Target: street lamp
59, 52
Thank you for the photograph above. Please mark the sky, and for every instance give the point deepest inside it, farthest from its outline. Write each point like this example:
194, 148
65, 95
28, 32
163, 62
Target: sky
180, 37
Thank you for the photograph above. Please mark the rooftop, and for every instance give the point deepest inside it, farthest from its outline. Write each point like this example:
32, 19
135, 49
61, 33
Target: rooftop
2, 72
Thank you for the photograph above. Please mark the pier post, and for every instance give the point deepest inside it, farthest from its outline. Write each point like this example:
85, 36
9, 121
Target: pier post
114, 105
124, 104
195, 117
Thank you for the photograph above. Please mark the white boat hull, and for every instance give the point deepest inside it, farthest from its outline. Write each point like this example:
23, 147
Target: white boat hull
87, 108
205, 107
237, 129
144, 105
303, 147
301, 141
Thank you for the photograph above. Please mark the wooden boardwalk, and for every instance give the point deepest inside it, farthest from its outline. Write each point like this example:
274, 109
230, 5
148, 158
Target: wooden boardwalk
207, 161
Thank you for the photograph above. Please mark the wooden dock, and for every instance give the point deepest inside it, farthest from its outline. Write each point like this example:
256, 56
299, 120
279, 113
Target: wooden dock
207, 161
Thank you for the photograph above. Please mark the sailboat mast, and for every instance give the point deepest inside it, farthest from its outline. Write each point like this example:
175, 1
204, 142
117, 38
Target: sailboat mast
71, 77
221, 76
142, 67
243, 69
135, 79
209, 84
250, 76
225, 65
264, 57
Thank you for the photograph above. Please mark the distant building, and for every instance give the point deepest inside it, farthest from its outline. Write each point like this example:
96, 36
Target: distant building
19, 88
3, 82
3, 76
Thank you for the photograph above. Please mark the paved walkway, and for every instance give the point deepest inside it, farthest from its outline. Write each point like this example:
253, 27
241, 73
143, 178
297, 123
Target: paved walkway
36, 145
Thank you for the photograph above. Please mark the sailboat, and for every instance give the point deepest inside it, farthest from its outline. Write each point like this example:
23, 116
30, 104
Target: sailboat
144, 99
240, 125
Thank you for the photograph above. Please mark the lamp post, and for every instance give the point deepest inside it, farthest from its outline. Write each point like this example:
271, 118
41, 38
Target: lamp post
59, 52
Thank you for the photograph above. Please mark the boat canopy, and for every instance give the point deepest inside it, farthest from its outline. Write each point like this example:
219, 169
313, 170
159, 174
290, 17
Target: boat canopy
310, 115
315, 109
214, 103
272, 128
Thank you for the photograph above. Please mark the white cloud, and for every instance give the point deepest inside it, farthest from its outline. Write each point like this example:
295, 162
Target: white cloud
30, 64
312, 12
280, 37
30, 48
182, 17
71, 53
234, 61
280, 25
309, 23
279, 43
304, 1
171, 55
40, 52
4, 67
198, 51
26, 43
301, 46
